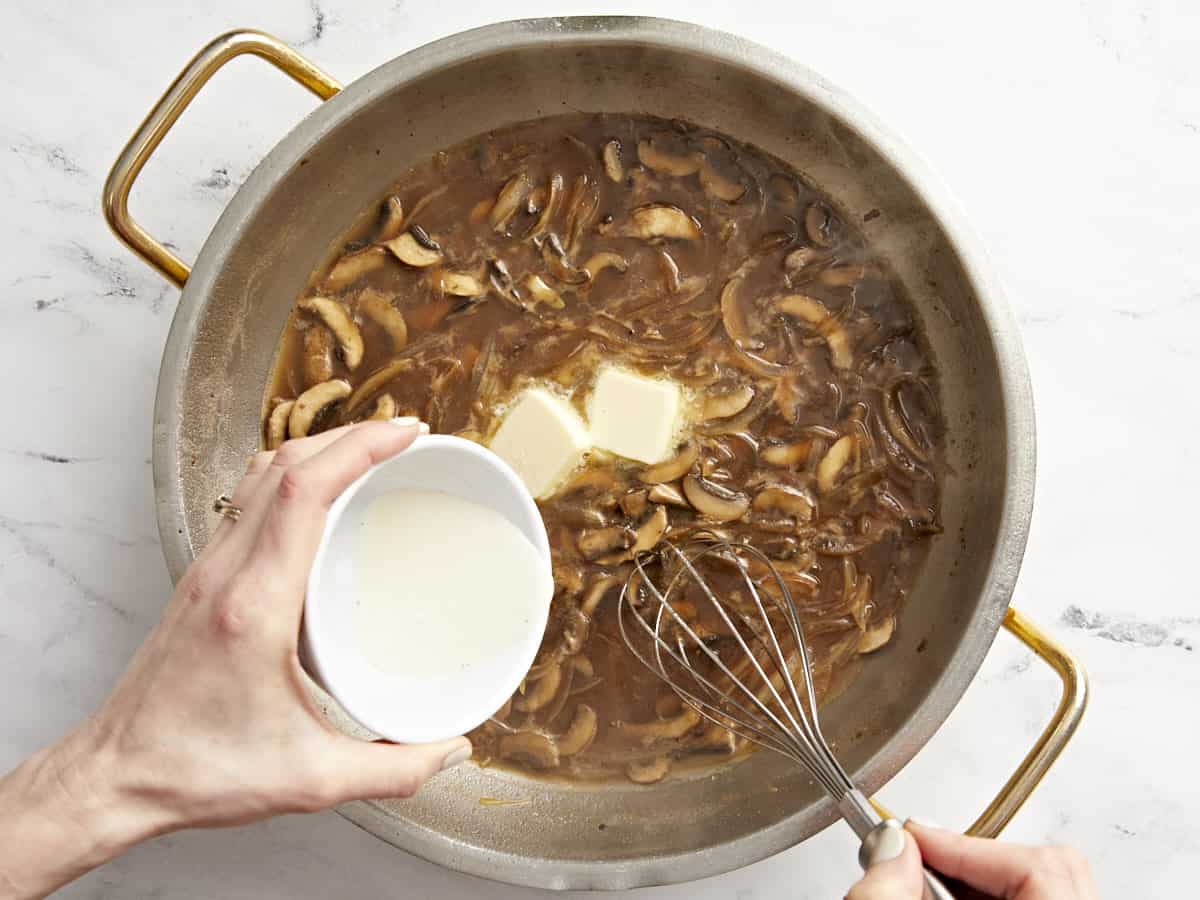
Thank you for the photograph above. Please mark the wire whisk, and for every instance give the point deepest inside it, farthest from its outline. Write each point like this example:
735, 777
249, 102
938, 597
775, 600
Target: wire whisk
738, 656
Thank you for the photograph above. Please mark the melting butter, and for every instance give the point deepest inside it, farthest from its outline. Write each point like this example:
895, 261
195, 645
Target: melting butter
442, 583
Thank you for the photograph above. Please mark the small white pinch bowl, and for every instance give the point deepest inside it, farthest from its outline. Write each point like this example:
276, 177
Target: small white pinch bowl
416, 709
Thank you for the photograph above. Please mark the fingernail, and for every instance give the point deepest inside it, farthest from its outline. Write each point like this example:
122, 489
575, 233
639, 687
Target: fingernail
456, 756
924, 823
409, 421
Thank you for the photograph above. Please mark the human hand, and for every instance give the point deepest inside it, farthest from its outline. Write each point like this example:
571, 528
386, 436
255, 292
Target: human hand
1001, 870
212, 723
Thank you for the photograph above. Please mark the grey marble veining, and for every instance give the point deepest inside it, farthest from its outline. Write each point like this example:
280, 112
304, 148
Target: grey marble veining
1070, 134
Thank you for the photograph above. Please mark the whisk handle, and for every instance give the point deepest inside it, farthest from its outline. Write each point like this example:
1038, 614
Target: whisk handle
886, 840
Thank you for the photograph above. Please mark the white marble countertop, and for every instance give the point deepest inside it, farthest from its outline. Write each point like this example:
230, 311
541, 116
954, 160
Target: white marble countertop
1070, 133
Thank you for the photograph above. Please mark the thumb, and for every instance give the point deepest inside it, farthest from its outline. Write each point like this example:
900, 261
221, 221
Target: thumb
900, 878
999, 869
383, 770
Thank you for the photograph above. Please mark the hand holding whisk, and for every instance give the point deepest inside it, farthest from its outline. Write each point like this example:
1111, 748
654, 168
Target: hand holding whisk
731, 645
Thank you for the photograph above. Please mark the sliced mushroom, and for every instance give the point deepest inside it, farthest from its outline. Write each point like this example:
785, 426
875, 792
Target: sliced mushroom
412, 252
543, 691
583, 666
660, 220
813, 312
667, 705
509, 199
541, 292
376, 307
876, 637
821, 225
337, 318
674, 468
460, 284
833, 462
612, 162
649, 772
790, 454
717, 185
530, 747
605, 259
666, 493
596, 592
580, 733
582, 206
317, 361
385, 408
554, 255
799, 258
787, 501
730, 403
634, 503
312, 401
661, 729
553, 198
650, 532
393, 220
354, 266
596, 542
378, 379
713, 739
733, 317
844, 276
714, 501
277, 424
668, 163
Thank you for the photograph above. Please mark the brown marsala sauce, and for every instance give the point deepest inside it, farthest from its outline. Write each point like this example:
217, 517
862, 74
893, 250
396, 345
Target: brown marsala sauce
550, 247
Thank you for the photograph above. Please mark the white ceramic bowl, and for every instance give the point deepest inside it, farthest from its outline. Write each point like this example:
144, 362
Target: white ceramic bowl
410, 709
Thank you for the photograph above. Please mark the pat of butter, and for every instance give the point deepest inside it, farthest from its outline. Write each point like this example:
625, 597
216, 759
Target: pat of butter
634, 416
543, 439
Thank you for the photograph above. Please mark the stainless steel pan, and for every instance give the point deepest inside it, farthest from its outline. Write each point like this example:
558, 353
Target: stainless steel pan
236, 300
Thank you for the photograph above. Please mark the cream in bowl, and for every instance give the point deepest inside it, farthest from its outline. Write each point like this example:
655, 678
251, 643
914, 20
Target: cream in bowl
429, 593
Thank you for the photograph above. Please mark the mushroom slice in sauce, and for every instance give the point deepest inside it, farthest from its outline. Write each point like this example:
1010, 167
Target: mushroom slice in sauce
317, 364
376, 307
650, 532
833, 462
337, 318
393, 220
460, 284
412, 252
821, 225
730, 403
787, 501
540, 292
717, 185
553, 199
385, 408
612, 162
509, 199
666, 493
378, 379
714, 501
674, 468
813, 312
354, 266
594, 543
668, 163
543, 691
529, 747
790, 454
649, 772
661, 729
277, 424
312, 401
733, 316
661, 220
876, 637
605, 259
580, 733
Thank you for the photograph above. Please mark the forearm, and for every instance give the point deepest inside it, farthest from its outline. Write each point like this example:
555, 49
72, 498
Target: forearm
63, 812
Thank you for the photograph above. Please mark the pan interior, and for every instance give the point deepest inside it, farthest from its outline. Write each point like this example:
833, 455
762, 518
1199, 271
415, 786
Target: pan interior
318, 181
